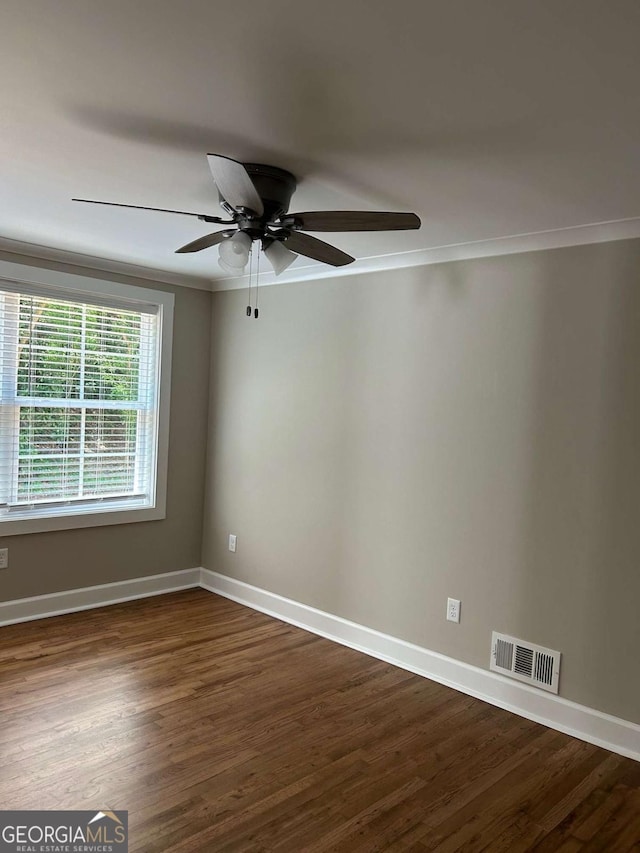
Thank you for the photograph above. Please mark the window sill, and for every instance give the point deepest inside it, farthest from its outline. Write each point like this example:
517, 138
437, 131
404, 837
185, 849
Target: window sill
72, 520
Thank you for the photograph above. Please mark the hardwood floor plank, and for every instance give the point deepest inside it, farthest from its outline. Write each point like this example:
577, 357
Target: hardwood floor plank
222, 729
608, 804
552, 809
621, 832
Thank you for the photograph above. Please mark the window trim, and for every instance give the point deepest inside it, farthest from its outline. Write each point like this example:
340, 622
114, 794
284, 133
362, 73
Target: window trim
51, 283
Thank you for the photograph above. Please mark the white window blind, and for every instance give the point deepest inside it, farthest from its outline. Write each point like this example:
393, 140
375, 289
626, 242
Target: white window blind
78, 404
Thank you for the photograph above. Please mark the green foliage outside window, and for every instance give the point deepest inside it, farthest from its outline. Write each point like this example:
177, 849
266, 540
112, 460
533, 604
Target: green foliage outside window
70, 352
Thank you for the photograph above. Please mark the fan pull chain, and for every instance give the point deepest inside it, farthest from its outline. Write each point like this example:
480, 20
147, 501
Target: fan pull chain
256, 311
250, 271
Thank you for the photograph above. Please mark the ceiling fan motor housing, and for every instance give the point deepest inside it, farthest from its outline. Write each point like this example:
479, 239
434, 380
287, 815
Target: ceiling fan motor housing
274, 186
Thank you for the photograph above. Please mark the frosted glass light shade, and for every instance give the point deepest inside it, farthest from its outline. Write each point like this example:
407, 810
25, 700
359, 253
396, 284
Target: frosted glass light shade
279, 256
234, 252
231, 270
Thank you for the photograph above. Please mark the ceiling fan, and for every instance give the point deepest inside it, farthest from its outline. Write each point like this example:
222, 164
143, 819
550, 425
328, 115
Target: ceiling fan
256, 198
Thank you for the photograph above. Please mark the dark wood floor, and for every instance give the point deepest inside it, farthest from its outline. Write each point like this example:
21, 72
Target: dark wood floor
220, 729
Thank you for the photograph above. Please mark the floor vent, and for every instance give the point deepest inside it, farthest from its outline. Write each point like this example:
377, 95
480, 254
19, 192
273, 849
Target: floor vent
525, 661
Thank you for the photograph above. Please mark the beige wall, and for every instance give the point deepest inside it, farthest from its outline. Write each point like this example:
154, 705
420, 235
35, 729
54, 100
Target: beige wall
471, 429
50, 562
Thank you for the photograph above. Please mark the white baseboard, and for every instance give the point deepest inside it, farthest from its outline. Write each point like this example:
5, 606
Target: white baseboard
579, 721
57, 603
601, 729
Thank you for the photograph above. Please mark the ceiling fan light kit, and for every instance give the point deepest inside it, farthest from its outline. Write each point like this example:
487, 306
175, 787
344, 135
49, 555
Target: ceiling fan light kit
256, 198
279, 256
234, 251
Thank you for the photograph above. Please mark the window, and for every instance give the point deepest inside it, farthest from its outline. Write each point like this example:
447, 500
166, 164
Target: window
82, 408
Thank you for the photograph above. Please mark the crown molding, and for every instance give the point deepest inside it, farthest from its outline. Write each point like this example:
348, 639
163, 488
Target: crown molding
25, 252
557, 238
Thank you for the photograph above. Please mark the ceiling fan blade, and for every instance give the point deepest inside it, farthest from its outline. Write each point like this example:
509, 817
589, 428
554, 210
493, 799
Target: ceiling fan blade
351, 220
305, 244
234, 183
203, 216
205, 242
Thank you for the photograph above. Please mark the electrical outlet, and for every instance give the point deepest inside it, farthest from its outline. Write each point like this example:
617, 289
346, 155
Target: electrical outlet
232, 541
453, 610
4, 558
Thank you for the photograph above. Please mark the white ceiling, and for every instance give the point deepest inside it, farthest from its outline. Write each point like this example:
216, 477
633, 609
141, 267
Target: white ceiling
488, 119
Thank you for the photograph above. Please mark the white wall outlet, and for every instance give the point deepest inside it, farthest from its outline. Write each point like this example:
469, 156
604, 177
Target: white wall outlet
232, 541
453, 610
4, 558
